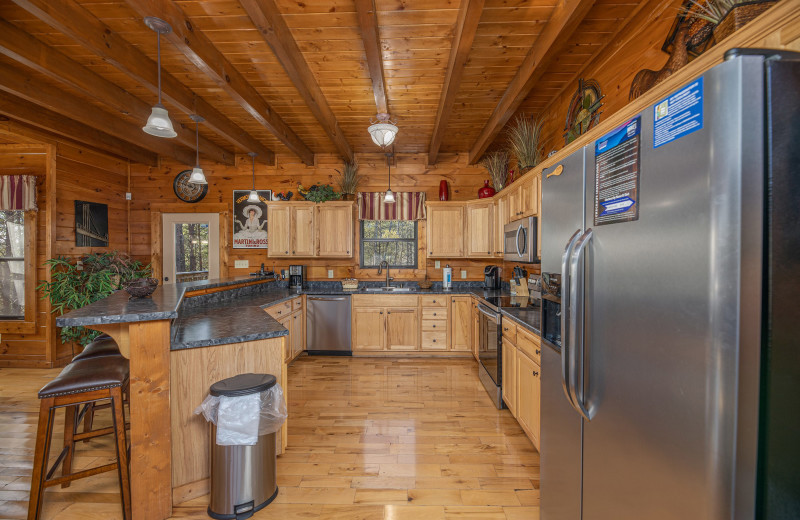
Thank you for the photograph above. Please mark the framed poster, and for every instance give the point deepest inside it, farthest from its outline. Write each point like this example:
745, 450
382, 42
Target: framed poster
91, 224
250, 220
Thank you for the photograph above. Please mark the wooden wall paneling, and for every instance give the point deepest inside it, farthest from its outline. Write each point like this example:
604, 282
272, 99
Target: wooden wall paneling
80, 25
203, 54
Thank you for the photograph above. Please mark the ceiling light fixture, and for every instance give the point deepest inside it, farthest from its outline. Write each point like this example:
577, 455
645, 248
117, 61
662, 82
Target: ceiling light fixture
382, 130
158, 124
388, 198
253, 197
197, 176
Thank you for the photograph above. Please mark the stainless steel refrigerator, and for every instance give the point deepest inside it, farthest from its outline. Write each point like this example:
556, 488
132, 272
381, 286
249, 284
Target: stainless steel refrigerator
671, 265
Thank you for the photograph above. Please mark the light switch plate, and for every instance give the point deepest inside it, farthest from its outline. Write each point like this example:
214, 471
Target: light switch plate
463, 274
242, 264
438, 265
330, 273
127, 195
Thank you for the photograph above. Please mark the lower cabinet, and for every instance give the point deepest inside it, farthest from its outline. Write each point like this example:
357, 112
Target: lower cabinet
476, 329
509, 375
529, 391
385, 323
291, 316
402, 326
460, 324
298, 333
369, 329
521, 375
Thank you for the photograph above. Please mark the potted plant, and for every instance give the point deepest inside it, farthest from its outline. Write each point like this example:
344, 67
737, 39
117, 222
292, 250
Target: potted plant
727, 15
349, 179
524, 141
496, 163
319, 193
71, 288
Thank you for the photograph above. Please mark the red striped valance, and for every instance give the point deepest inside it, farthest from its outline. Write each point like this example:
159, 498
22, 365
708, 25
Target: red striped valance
17, 192
409, 205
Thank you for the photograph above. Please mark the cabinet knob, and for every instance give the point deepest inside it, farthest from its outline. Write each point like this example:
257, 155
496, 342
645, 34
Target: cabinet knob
434, 314
388, 312
538, 351
381, 312
287, 252
434, 326
292, 252
535, 373
434, 341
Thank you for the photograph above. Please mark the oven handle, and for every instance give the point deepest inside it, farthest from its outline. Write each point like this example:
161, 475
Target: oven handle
488, 312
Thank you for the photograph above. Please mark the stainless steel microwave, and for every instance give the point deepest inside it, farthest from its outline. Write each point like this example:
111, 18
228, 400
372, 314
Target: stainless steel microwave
519, 241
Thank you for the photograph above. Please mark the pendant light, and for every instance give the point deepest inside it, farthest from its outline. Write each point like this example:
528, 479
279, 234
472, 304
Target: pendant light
253, 197
158, 124
382, 130
197, 176
388, 198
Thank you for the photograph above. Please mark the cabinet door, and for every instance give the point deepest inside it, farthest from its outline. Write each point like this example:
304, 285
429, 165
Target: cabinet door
369, 328
335, 229
528, 396
480, 229
476, 329
509, 361
445, 230
278, 218
303, 230
460, 330
514, 202
402, 328
288, 342
500, 220
298, 333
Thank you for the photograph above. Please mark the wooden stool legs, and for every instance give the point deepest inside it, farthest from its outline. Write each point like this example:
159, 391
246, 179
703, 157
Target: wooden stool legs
42, 478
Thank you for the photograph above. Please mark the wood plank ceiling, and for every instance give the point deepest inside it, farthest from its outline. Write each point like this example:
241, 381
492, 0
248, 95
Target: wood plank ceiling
234, 62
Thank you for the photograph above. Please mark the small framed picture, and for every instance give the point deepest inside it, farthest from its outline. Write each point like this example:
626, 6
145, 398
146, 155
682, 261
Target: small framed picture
250, 220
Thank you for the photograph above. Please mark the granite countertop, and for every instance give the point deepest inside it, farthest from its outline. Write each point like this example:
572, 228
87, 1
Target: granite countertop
528, 317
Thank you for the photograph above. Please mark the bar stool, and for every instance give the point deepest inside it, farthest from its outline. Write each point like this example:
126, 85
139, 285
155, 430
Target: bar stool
102, 346
84, 381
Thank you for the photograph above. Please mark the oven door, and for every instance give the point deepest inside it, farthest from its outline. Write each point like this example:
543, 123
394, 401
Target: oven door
489, 347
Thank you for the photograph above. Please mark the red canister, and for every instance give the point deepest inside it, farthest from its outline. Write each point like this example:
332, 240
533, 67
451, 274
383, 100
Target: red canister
444, 193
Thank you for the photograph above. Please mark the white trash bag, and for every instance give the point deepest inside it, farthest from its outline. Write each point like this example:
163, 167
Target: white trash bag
241, 419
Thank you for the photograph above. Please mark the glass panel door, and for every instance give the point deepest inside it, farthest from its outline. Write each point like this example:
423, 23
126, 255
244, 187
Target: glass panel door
191, 247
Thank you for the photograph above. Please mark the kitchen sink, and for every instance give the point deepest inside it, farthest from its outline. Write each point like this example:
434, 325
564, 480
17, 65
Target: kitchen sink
388, 289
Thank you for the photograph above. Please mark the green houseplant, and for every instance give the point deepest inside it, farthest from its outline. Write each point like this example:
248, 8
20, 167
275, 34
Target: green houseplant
349, 179
70, 288
524, 142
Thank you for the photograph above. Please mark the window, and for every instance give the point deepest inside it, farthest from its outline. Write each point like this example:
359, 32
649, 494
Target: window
191, 252
12, 265
392, 240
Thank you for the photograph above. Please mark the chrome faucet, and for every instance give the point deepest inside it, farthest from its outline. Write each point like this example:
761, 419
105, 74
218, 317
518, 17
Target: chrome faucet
380, 268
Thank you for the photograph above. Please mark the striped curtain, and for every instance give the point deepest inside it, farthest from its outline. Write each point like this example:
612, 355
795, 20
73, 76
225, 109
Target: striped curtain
409, 205
17, 192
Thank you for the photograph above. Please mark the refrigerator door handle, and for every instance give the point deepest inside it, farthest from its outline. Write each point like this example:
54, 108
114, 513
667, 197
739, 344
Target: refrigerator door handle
565, 318
576, 304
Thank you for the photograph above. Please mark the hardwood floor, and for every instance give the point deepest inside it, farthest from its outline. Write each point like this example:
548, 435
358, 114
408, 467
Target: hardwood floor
368, 439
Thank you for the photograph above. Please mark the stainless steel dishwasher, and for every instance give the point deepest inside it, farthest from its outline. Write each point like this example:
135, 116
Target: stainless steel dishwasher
328, 325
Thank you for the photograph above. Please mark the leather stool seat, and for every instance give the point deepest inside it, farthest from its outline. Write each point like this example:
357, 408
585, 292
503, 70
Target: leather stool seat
102, 346
88, 375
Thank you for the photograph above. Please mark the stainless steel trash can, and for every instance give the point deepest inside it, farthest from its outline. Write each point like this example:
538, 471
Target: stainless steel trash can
243, 478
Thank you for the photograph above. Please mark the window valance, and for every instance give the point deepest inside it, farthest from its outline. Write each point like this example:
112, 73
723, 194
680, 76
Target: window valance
17, 192
409, 205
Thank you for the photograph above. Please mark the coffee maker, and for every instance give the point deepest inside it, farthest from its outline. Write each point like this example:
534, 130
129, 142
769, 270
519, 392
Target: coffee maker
491, 277
297, 275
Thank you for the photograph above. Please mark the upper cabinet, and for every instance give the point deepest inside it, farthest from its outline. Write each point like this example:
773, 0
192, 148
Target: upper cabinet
445, 229
306, 229
480, 229
523, 198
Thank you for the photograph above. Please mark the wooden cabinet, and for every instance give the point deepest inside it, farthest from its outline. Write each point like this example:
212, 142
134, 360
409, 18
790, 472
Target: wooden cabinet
335, 222
476, 329
509, 375
288, 341
291, 316
445, 229
385, 323
500, 220
528, 396
480, 229
305, 229
369, 329
460, 326
298, 333
524, 198
435, 314
402, 328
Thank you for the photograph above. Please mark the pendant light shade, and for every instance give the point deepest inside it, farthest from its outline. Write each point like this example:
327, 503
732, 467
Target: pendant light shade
388, 198
382, 131
197, 176
253, 197
159, 124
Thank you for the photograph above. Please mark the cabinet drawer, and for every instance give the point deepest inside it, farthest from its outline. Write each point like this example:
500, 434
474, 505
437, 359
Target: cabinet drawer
509, 330
434, 340
280, 310
440, 300
530, 344
434, 325
297, 304
385, 300
435, 313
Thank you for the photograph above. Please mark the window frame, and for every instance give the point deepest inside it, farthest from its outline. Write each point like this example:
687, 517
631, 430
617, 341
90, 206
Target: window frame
27, 325
361, 241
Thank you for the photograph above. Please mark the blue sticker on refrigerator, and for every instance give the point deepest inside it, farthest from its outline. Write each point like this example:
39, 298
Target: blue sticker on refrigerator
616, 167
678, 115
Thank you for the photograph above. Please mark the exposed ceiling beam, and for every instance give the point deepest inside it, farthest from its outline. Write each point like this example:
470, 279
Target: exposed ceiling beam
24, 48
368, 20
34, 115
469, 15
201, 51
269, 21
18, 83
79, 24
566, 17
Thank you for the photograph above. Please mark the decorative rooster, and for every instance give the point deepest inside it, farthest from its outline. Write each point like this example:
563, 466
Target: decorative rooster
646, 79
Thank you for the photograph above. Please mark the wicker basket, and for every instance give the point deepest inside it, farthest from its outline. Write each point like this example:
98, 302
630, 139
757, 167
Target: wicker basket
738, 17
141, 287
349, 284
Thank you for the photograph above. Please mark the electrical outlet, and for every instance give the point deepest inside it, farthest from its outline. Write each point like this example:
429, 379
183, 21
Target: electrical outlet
79, 265
330, 273
438, 265
128, 195
241, 264
463, 274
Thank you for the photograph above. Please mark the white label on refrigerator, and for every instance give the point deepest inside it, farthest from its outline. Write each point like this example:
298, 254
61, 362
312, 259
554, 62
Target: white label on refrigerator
616, 166
678, 115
